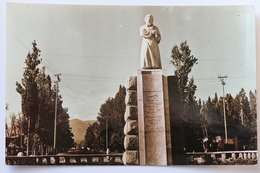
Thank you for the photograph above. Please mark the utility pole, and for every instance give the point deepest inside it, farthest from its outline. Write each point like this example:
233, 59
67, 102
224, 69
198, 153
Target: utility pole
224, 110
56, 102
107, 147
28, 139
21, 131
106, 135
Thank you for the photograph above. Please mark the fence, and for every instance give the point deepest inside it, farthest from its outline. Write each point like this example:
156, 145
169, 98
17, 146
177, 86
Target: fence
199, 156
80, 159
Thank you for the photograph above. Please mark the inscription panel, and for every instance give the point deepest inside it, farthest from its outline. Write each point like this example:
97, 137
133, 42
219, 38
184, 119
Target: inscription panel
153, 111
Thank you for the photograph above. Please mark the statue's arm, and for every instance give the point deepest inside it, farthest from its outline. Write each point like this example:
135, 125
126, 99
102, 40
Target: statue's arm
157, 35
145, 33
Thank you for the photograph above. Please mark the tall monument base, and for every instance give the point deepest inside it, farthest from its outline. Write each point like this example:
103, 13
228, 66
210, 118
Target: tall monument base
153, 118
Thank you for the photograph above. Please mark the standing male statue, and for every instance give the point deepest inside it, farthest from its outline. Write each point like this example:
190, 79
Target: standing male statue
150, 54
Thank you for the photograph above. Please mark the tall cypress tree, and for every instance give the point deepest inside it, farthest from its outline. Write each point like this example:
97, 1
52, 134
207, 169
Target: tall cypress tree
28, 89
46, 108
38, 106
183, 62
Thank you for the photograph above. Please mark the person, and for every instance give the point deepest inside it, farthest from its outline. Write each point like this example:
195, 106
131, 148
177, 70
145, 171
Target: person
20, 153
150, 54
108, 152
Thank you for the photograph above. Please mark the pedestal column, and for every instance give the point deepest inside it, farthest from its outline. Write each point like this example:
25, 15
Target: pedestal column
153, 118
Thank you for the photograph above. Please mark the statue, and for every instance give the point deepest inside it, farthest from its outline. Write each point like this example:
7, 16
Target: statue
150, 54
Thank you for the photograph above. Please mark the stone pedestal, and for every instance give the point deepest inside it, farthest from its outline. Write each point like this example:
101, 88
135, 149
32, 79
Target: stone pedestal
153, 118
130, 156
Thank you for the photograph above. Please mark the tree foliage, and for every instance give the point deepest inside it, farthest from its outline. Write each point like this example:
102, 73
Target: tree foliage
112, 113
92, 136
239, 111
203, 121
38, 105
252, 120
28, 88
183, 62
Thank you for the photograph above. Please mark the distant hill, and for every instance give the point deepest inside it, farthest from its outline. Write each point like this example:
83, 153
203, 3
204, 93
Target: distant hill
79, 128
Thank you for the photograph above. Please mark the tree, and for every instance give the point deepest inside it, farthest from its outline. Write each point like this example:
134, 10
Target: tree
29, 91
238, 116
211, 113
253, 111
92, 137
241, 126
13, 127
117, 138
46, 97
183, 62
113, 111
193, 130
64, 136
38, 105
111, 114
253, 119
28, 88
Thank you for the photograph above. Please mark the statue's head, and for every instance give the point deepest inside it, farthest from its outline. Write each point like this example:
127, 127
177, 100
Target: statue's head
148, 19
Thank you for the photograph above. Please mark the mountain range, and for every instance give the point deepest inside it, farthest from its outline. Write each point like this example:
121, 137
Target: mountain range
79, 128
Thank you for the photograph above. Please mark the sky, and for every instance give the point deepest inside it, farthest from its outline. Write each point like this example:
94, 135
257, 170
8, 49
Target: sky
96, 48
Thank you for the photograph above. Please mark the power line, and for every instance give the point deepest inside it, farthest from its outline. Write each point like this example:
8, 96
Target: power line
93, 76
222, 59
231, 70
241, 77
45, 65
208, 87
19, 40
71, 96
57, 71
65, 89
215, 80
91, 56
50, 67
97, 80
75, 93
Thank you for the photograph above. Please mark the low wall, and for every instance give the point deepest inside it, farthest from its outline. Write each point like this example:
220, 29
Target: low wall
82, 159
221, 155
